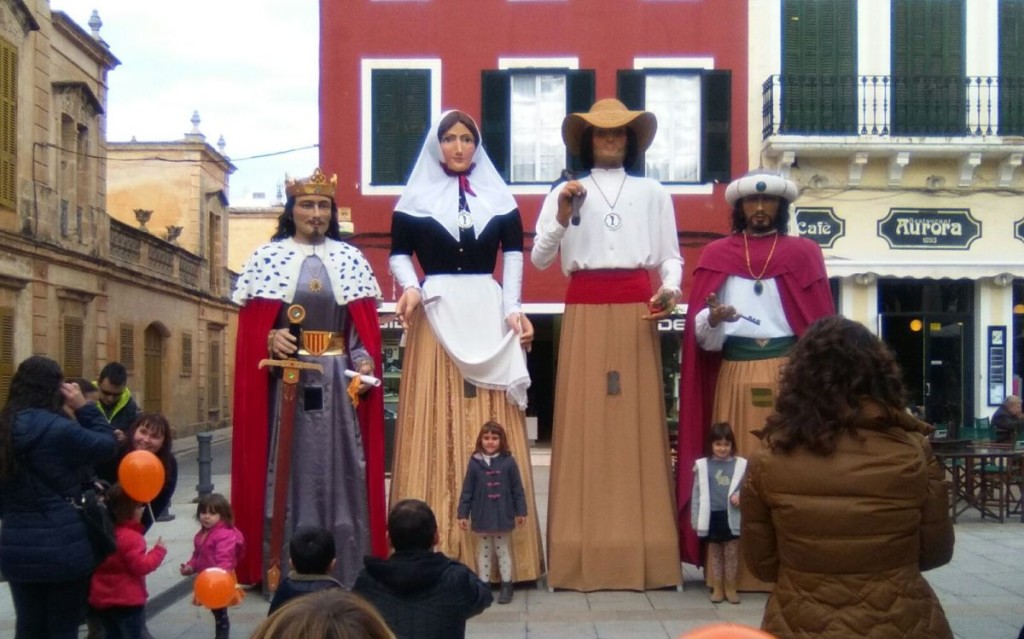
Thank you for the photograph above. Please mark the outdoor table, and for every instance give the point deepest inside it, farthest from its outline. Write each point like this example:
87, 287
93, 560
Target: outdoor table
971, 476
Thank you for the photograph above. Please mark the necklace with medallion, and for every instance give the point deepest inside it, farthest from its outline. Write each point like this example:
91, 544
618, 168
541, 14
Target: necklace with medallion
315, 283
612, 220
758, 284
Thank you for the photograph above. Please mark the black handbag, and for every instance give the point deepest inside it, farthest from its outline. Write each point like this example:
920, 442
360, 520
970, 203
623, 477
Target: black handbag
98, 523
92, 507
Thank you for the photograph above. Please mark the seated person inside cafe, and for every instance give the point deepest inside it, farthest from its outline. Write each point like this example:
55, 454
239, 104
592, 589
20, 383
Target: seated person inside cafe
1008, 420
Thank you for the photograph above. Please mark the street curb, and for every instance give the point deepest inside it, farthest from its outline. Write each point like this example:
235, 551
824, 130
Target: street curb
164, 600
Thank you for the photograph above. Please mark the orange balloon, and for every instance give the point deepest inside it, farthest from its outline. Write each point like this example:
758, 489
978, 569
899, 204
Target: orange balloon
214, 588
141, 475
726, 631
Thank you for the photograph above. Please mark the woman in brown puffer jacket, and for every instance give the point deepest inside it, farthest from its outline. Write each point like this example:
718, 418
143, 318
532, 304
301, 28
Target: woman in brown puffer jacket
845, 506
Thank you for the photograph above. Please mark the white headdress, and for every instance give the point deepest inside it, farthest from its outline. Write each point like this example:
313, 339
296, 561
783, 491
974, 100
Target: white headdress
431, 192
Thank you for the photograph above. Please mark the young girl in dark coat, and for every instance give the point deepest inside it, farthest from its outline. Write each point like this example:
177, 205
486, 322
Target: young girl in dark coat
493, 495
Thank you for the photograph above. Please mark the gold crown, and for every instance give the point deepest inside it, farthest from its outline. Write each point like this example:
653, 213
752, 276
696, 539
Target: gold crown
316, 184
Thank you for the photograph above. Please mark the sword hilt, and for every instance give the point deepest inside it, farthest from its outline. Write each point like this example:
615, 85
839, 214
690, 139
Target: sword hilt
291, 368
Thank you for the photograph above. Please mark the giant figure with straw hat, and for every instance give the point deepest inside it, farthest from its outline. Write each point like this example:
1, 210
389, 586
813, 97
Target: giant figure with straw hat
611, 513
754, 293
308, 446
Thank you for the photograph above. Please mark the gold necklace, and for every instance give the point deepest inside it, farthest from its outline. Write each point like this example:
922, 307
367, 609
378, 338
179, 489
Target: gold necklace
315, 284
758, 285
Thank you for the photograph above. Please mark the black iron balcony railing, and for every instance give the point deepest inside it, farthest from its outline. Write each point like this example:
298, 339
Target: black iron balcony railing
928, 106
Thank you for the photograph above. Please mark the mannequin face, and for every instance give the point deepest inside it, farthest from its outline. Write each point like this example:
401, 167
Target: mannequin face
760, 212
609, 147
458, 147
312, 213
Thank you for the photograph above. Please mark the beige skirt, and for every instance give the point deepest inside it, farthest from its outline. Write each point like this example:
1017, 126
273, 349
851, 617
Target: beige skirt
435, 436
611, 514
745, 397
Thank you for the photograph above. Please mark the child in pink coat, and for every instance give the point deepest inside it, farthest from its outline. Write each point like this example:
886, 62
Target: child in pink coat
117, 590
218, 544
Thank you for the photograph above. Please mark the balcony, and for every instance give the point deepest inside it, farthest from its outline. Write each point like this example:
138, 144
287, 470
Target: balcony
141, 252
969, 118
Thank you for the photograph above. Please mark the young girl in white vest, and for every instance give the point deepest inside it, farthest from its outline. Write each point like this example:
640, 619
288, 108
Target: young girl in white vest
716, 510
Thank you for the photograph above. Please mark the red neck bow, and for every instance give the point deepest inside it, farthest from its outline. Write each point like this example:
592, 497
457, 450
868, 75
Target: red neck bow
463, 177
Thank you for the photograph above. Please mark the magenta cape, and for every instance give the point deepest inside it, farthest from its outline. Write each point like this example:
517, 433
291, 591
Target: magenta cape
250, 429
798, 268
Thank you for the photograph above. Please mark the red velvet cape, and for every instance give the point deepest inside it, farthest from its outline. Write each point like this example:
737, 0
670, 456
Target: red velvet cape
250, 435
798, 268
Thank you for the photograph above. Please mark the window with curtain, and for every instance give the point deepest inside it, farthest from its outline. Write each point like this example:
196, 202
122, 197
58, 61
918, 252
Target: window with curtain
521, 119
693, 107
537, 111
674, 155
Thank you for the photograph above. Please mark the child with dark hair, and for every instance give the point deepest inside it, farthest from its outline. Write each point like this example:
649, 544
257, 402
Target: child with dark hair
420, 592
117, 591
715, 510
493, 493
218, 544
312, 557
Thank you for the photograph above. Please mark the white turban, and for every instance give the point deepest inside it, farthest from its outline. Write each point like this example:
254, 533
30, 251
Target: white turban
761, 182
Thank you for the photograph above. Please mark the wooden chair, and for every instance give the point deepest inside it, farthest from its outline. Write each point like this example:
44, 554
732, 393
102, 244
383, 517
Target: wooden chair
993, 482
1015, 482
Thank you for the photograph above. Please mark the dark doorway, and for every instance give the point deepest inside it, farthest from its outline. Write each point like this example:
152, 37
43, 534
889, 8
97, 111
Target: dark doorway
928, 325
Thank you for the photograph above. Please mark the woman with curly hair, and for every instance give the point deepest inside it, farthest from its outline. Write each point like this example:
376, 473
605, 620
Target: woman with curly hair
846, 505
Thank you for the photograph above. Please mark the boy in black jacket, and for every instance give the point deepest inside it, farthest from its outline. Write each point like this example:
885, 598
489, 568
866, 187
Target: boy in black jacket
421, 594
312, 558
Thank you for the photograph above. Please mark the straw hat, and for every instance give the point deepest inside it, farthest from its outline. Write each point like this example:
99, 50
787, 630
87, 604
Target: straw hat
761, 182
609, 114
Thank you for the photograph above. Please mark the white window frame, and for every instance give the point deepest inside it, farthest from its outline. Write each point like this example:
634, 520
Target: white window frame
367, 66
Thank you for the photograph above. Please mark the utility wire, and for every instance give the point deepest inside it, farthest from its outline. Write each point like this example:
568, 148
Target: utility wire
171, 160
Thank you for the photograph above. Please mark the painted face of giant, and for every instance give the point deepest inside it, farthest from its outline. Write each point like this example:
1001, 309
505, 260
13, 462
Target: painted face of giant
458, 147
312, 214
760, 212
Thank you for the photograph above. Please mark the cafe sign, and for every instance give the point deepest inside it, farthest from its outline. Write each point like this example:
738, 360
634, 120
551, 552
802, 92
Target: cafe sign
948, 229
820, 225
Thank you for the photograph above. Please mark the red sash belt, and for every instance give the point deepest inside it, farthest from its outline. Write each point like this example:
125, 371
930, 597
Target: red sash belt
609, 286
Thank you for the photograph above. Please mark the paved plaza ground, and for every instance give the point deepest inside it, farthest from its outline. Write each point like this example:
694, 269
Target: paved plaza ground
982, 589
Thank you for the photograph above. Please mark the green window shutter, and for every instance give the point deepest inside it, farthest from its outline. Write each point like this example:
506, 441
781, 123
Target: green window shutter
6, 351
716, 115
496, 118
631, 88
928, 68
1011, 67
819, 66
579, 95
401, 116
8, 124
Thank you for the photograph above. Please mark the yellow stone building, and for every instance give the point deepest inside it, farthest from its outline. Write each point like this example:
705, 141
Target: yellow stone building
79, 286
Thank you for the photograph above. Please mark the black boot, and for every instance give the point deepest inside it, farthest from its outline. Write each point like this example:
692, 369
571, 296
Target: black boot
506, 593
222, 624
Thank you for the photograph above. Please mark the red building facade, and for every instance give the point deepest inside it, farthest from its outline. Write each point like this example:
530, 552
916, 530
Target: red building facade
388, 67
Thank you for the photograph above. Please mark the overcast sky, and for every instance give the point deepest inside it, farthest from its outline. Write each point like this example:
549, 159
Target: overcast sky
249, 68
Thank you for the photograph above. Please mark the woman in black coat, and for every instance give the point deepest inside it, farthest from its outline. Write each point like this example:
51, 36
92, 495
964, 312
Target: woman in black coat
45, 552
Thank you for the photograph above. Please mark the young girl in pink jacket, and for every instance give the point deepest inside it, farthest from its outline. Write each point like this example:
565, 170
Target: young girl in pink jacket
218, 544
117, 590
